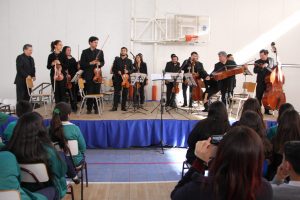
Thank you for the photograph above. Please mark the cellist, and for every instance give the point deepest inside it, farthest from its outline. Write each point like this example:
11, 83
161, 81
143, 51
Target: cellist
187, 65
262, 69
88, 62
122, 65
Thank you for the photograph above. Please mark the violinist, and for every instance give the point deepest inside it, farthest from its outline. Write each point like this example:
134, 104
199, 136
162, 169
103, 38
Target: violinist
140, 66
192, 65
58, 66
89, 60
122, 67
262, 69
71, 72
25, 69
172, 66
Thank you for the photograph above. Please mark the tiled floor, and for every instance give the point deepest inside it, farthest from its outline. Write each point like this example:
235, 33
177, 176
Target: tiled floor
135, 164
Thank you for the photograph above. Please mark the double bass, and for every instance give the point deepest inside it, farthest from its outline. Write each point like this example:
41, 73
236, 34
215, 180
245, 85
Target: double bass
274, 95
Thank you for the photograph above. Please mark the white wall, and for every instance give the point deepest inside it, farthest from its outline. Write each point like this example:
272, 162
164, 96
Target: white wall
234, 24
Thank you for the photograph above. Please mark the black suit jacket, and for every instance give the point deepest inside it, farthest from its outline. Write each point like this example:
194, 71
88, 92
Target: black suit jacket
171, 67
262, 72
198, 68
88, 56
120, 65
25, 67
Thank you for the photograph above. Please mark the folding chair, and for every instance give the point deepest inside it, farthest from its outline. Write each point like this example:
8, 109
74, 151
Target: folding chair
110, 92
10, 194
37, 173
240, 98
98, 97
37, 94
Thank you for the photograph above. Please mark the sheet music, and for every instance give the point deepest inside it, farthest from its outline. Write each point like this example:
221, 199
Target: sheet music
159, 77
190, 79
177, 76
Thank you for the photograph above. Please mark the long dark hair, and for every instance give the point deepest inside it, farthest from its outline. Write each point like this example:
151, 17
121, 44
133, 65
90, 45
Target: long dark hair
252, 120
253, 104
65, 49
284, 107
141, 58
288, 129
53, 44
237, 167
29, 140
60, 113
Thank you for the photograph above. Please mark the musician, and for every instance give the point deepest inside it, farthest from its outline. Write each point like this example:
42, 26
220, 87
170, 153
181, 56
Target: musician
90, 58
226, 85
188, 66
122, 65
57, 58
25, 69
71, 70
172, 66
262, 69
139, 66
230, 57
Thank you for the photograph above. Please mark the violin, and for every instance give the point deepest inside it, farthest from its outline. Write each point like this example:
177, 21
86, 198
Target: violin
69, 83
274, 95
125, 80
97, 74
175, 89
58, 75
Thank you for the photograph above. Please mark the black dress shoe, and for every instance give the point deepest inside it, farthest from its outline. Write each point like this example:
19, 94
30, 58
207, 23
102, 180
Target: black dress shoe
96, 112
124, 109
190, 106
89, 112
184, 105
114, 109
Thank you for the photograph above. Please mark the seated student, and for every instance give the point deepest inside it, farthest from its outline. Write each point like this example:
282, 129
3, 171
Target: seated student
288, 130
235, 170
61, 130
10, 179
216, 123
290, 167
22, 107
271, 132
30, 144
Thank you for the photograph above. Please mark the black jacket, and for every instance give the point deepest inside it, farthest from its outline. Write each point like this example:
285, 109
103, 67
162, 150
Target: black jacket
120, 65
63, 61
88, 56
143, 68
201, 187
72, 66
171, 67
262, 72
25, 67
198, 68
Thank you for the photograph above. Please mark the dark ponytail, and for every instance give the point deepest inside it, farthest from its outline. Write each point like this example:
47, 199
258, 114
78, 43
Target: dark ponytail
56, 131
53, 44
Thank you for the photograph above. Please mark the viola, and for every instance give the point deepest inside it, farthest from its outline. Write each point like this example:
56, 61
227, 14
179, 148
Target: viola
274, 95
175, 89
97, 75
69, 83
58, 75
125, 80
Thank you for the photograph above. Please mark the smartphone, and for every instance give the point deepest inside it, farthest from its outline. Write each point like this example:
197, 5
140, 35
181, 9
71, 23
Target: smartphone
216, 139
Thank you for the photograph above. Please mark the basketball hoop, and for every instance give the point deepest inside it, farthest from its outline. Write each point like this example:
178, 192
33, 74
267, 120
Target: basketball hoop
191, 38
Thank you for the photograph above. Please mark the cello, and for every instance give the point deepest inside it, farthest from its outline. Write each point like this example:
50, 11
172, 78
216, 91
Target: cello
274, 95
197, 92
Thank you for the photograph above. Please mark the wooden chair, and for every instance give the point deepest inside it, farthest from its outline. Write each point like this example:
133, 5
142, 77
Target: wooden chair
37, 94
37, 173
98, 97
10, 194
240, 98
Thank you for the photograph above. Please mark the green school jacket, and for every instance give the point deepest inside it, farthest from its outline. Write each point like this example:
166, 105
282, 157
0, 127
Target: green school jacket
10, 177
9, 131
72, 132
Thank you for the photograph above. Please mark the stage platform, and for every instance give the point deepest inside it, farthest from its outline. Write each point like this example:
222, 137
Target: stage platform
126, 129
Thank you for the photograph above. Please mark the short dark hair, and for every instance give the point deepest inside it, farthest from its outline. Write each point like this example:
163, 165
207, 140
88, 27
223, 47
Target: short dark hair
264, 51
26, 46
173, 55
93, 38
194, 52
292, 154
229, 55
23, 107
124, 48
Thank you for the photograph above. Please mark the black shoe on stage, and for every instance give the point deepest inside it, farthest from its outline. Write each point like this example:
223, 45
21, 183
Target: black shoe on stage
114, 109
88, 112
124, 109
205, 107
96, 112
184, 105
190, 106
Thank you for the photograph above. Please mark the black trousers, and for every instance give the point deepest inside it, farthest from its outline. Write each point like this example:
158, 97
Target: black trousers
117, 94
184, 89
92, 88
73, 96
139, 94
260, 90
22, 93
60, 90
170, 95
